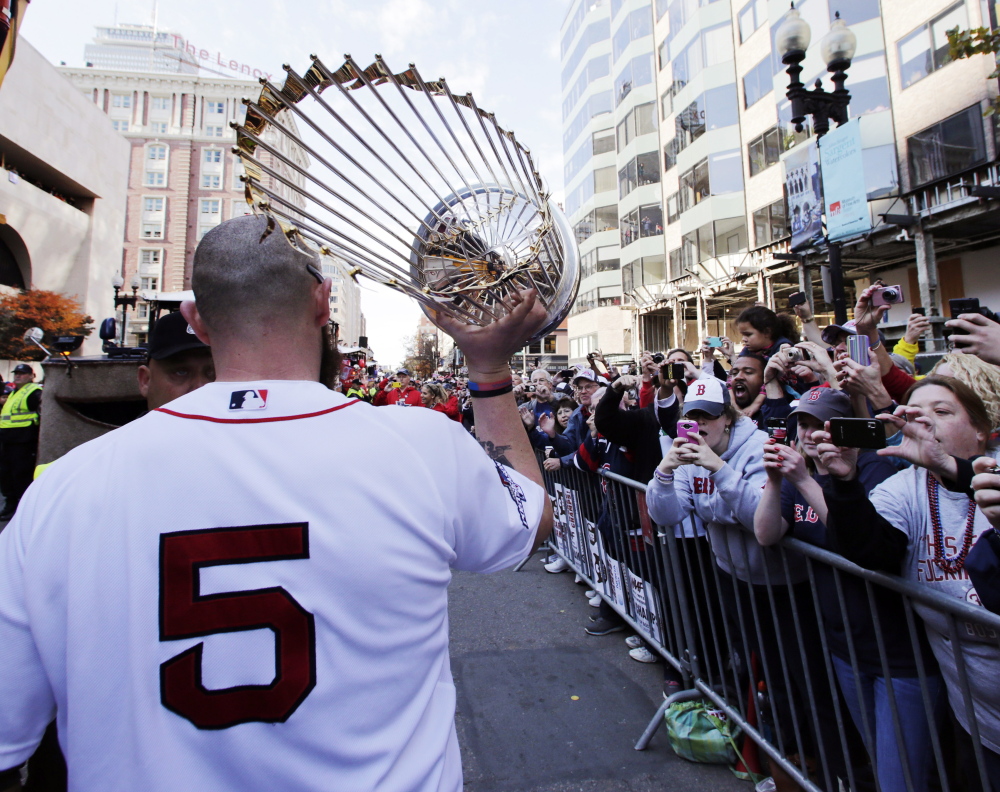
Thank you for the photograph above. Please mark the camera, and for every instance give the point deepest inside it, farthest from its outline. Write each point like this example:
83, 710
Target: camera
857, 433
796, 355
658, 358
797, 298
887, 295
967, 305
529, 388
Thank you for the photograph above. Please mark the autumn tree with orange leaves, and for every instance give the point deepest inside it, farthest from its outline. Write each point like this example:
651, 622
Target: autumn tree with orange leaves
57, 314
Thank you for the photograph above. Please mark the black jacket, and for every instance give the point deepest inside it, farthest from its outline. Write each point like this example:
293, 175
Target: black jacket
637, 430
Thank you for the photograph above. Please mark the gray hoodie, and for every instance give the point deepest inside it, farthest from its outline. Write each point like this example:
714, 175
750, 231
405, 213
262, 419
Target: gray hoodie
726, 502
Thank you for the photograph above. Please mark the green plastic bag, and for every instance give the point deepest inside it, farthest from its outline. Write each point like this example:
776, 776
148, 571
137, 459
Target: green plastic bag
700, 733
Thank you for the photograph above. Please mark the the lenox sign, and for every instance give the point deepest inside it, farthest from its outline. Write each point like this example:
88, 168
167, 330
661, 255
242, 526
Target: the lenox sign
204, 56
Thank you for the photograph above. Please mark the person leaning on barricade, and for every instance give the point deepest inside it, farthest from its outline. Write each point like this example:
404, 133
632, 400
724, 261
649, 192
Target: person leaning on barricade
915, 523
792, 503
139, 628
717, 473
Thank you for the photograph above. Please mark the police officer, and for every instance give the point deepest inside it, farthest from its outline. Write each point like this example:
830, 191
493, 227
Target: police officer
19, 419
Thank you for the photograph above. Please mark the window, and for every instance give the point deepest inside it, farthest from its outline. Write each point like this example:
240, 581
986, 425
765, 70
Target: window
156, 178
603, 141
694, 186
725, 172
606, 218
638, 71
595, 32
584, 229
629, 226
209, 216
212, 155
673, 208
764, 151
721, 109
653, 269
676, 270
770, 223
647, 168
713, 46
758, 82
926, 49
752, 16
237, 171
150, 269
596, 68
158, 127
159, 103
854, 11
594, 106
156, 152
215, 108
786, 130
635, 26
650, 220
213, 131
948, 147
152, 230
121, 100
119, 126
211, 181
604, 179
152, 204
645, 118
663, 55
869, 85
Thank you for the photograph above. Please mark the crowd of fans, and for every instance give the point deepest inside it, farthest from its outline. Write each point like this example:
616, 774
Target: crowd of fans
760, 463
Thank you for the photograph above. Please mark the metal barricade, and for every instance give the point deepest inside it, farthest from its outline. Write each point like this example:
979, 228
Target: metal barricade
825, 666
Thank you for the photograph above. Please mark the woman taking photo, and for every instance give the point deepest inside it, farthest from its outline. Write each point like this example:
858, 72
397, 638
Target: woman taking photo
915, 521
793, 503
718, 475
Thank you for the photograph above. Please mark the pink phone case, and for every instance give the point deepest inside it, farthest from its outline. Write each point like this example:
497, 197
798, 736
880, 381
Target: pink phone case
687, 429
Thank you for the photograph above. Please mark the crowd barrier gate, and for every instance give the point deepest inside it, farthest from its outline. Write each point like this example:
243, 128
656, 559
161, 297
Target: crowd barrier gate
741, 647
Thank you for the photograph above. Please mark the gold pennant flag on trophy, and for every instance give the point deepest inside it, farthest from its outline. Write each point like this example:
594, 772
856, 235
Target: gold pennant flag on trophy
11, 14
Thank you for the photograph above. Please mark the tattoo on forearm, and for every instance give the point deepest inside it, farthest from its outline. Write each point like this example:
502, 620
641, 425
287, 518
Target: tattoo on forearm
495, 452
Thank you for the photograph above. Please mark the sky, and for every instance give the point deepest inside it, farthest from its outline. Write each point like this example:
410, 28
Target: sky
506, 53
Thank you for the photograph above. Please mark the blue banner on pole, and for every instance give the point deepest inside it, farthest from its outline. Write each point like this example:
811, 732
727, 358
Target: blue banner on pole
805, 199
844, 188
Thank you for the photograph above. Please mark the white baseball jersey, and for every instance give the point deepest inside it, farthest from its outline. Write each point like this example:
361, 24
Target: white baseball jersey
247, 590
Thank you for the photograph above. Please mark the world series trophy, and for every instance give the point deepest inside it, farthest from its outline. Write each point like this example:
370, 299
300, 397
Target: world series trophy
414, 187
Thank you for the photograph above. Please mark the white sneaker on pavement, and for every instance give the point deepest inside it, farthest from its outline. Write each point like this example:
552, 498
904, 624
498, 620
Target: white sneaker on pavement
643, 655
559, 565
589, 594
633, 641
595, 601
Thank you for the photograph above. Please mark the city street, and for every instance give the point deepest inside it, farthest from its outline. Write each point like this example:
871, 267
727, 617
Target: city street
519, 655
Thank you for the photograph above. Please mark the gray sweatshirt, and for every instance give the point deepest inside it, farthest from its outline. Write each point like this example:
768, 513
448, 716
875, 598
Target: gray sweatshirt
726, 501
903, 501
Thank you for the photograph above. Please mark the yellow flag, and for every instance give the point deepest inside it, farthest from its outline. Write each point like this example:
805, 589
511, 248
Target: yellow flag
11, 14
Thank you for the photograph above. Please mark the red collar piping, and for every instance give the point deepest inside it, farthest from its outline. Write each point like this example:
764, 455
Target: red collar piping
254, 420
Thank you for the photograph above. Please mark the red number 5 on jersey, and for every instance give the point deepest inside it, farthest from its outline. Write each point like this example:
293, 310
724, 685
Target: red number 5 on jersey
184, 613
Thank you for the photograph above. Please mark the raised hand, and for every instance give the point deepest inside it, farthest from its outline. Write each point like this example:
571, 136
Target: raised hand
982, 337
547, 423
920, 444
986, 484
841, 463
867, 317
785, 461
916, 326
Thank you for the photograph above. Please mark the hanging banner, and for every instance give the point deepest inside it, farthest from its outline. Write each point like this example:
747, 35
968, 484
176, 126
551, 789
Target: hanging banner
844, 188
805, 197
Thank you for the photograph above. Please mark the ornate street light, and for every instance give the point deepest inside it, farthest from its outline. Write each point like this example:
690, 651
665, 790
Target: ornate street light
125, 301
837, 48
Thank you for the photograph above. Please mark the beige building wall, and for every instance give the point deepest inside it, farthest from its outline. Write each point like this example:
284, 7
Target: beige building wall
52, 135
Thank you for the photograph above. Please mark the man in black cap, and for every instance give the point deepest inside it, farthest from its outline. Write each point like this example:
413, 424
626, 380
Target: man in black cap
19, 419
178, 362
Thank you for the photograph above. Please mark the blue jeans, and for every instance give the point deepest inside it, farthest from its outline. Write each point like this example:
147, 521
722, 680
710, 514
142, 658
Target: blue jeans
912, 722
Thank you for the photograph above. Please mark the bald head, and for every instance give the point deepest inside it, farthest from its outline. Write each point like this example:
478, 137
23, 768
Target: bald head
246, 273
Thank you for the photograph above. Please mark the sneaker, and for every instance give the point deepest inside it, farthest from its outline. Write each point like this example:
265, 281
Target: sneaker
589, 594
603, 627
633, 642
559, 565
577, 579
595, 601
643, 655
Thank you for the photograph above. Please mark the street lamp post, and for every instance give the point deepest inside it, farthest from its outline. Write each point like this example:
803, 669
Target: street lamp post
837, 48
125, 301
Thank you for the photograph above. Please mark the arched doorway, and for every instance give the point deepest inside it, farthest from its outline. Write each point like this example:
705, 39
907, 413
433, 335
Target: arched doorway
15, 263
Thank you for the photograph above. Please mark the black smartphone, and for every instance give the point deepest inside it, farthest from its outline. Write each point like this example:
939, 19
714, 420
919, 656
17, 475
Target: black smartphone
963, 305
777, 429
797, 298
920, 310
675, 371
857, 432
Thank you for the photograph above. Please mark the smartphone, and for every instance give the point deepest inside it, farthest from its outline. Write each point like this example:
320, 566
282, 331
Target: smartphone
797, 298
920, 310
777, 429
887, 295
857, 350
963, 305
687, 429
857, 432
675, 371
715, 341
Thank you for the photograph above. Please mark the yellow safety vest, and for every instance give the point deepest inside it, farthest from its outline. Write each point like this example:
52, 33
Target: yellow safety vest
15, 413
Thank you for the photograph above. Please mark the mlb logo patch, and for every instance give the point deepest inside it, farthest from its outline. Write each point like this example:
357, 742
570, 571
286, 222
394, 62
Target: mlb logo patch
248, 400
